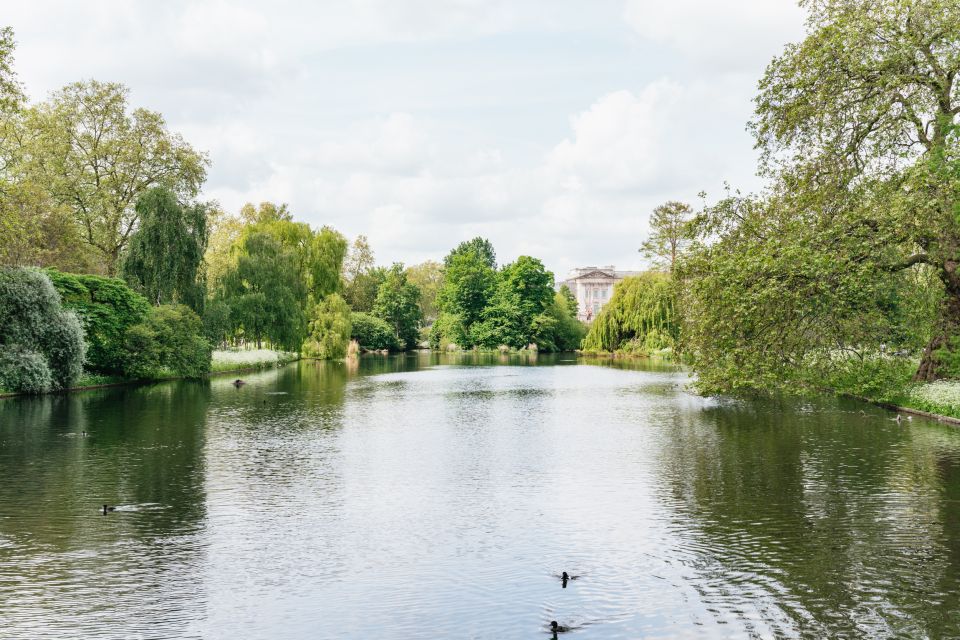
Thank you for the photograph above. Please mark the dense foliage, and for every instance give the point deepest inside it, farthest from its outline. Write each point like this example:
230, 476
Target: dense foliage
23, 370
107, 308
480, 306
265, 292
398, 304
557, 328
166, 252
169, 342
372, 333
640, 318
428, 278
329, 329
43, 342
96, 157
854, 246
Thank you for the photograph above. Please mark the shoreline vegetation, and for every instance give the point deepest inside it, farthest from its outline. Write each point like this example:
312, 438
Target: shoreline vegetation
840, 275
222, 363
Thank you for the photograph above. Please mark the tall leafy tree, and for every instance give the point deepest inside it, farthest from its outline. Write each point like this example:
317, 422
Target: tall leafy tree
318, 255
480, 247
428, 277
264, 291
96, 157
361, 277
398, 303
328, 249
36, 230
11, 92
167, 250
469, 282
329, 329
524, 291
858, 129
670, 232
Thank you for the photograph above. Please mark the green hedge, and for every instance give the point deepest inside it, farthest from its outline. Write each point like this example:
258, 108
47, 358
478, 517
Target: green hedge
107, 308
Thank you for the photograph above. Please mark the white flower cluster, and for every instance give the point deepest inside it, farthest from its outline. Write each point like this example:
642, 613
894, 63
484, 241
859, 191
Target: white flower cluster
943, 393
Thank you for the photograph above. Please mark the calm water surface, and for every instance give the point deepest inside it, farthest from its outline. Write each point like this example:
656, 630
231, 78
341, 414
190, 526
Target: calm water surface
429, 497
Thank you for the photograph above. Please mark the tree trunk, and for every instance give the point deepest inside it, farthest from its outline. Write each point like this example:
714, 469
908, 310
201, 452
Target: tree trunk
933, 364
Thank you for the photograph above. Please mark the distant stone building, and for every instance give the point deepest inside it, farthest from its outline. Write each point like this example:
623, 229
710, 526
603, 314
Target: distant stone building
593, 288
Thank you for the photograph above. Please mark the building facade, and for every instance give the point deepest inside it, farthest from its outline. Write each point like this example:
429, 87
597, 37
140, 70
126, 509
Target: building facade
593, 288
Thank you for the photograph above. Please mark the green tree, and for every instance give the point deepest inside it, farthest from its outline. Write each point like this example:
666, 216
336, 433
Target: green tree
11, 92
524, 291
329, 329
857, 125
222, 246
570, 299
264, 291
469, 282
97, 157
398, 303
327, 253
870, 95
318, 255
641, 317
167, 250
36, 230
480, 247
361, 277
670, 233
428, 277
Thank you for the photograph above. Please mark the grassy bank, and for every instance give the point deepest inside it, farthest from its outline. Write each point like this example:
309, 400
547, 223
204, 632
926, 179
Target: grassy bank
225, 361
888, 380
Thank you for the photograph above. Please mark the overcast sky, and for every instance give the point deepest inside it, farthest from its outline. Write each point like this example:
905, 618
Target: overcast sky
551, 127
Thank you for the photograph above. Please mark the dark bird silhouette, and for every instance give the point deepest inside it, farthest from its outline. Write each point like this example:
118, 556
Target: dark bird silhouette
558, 628
238, 382
107, 508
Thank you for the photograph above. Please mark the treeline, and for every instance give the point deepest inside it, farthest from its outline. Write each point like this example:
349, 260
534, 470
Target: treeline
110, 265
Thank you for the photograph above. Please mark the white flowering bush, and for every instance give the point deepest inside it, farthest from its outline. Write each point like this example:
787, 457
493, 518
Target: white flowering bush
231, 360
941, 397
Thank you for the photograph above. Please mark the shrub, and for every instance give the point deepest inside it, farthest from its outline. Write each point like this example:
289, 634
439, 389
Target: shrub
169, 342
65, 349
329, 329
23, 371
33, 320
372, 333
107, 308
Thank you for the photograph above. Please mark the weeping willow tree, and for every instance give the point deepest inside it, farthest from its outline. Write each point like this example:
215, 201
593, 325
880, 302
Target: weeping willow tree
641, 317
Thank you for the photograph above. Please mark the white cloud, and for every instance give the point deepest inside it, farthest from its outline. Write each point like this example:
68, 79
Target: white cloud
551, 127
727, 35
618, 142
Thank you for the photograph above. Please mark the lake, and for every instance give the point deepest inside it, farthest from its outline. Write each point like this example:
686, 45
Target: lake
429, 496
